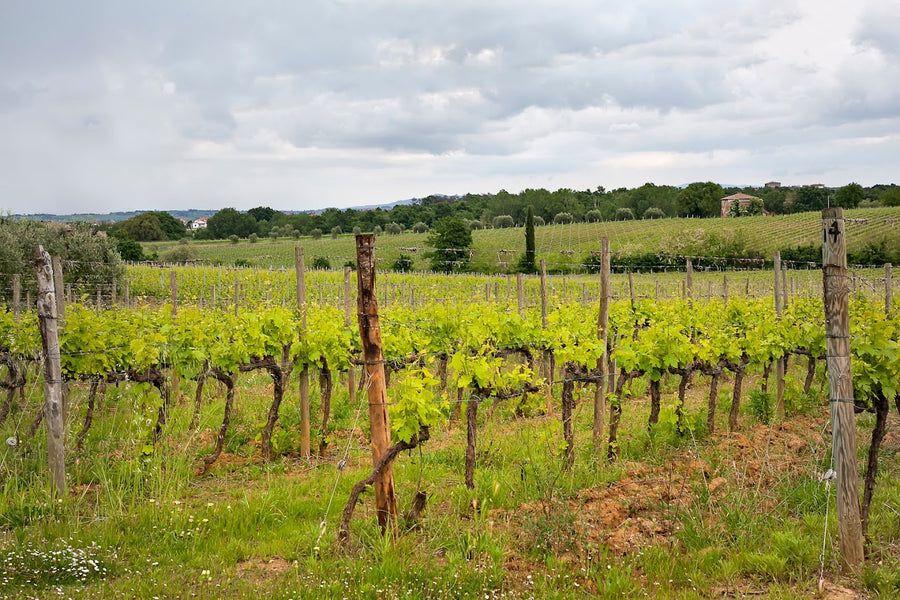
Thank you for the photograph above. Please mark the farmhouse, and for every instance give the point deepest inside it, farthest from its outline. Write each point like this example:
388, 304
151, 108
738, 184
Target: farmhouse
742, 198
198, 224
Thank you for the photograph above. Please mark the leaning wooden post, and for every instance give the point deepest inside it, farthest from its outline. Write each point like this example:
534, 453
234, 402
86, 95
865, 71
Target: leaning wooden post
53, 390
840, 385
689, 280
300, 269
348, 322
779, 363
373, 356
888, 290
603, 334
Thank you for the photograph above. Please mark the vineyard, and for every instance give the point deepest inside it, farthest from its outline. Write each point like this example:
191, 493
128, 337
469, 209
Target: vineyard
216, 427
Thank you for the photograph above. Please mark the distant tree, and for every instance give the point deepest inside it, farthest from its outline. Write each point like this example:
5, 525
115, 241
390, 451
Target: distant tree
129, 249
538, 221
233, 239
228, 222
393, 228
474, 224
420, 227
593, 216
503, 221
377, 230
320, 262
315, 233
624, 214
563, 218
403, 264
357, 231
810, 198
295, 233
450, 239
263, 213
890, 196
754, 208
252, 238
700, 200
144, 227
654, 213
849, 196
336, 231
528, 259
181, 253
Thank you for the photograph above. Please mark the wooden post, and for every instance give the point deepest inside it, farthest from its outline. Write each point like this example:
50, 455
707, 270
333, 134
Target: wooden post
543, 294
113, 291
127, 294
173, 288
17, 296
546, 358
300, 270
520, 293
237, 293
58, 285
603, 333
840, 385
779, 363
888, 290
53, 390
689, 280
370, 333
725, 289
348, 322
784, 285
631, 289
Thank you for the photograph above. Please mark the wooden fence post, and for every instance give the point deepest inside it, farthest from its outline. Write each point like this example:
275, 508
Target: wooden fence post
17, 296
348, 322
546, 356
370, 334
58, 287
840, 385
300, 270
779, 363
53, 390
888, 290
603, 334
520, 293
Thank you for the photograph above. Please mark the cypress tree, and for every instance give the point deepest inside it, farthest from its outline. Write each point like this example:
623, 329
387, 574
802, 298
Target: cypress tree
527, 263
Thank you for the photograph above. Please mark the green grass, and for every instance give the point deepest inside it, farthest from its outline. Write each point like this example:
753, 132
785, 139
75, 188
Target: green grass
565, 246
691, 517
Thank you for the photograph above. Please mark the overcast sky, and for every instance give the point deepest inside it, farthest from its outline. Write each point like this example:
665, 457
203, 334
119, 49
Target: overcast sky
304, 104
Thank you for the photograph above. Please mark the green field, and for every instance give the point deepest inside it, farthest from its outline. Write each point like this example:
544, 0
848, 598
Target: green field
565, 246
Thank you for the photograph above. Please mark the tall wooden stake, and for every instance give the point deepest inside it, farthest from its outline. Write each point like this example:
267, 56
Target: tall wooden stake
546, 358
300, 269
840, 385
348, 321
779, 364
520, 293
603, 334
888, 290
53, 389
58, 286
17, 296
370, 333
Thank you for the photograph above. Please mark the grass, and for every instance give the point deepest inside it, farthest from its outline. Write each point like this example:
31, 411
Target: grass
566, 246
677, 517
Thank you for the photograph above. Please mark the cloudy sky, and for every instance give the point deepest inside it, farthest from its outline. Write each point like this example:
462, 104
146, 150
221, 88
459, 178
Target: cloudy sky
305, 104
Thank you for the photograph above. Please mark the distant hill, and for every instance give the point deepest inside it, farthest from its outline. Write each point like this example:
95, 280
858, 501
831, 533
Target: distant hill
115, 217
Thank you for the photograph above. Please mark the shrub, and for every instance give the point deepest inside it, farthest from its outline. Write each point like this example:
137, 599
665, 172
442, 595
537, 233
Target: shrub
563, 218
624, 214
760, 406
538, 220
253, 237
336, 231
474, 224
377, 230
420, 227
503, 221
315, 233
320, 262
180, 254
403, 264
233, 238
593, 216
654, 213
357, 231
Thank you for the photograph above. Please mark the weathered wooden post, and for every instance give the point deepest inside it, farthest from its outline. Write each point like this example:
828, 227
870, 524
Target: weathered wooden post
348, 321
373, 356
300, 270
888, 290
53, 389
603, 334
17, 296
520, 293
840, 385
779, 363
546, 356
58, 287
